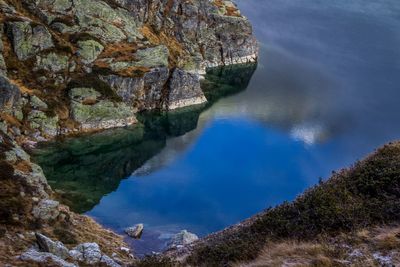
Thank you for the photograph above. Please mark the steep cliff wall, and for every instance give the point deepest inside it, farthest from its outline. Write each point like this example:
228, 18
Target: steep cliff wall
79, 65
68, 66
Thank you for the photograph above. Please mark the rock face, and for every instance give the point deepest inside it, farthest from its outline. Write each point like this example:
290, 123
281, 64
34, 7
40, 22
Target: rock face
139, 54
184, 90
183, 238
28, 40
9, 93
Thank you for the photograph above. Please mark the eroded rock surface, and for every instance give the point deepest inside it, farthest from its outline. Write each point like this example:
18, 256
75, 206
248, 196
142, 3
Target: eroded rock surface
139, 54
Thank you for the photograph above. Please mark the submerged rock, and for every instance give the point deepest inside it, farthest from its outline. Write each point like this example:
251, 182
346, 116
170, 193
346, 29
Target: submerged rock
183, 238
135, 231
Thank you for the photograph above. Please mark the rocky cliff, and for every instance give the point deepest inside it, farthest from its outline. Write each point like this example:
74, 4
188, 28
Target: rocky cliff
72, 66
68, 66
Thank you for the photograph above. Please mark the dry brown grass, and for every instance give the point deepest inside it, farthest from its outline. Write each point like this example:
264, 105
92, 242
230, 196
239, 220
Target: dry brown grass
291, 253
345, 250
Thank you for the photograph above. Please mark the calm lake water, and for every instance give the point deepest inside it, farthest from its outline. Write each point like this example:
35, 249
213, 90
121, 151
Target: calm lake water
325, 93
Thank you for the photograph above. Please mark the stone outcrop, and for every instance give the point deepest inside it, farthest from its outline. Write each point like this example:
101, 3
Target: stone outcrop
182, 238
135, 231
93, 114
55, 247
69, 66
139, 54
184, 90
28, 39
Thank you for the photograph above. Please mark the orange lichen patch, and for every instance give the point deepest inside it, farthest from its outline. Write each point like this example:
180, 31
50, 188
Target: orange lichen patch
10, 119
229, 10
23, 166
175, 48
119, 51
22, 87
150, 35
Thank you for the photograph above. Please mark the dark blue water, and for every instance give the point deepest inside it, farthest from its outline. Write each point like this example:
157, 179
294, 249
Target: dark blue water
326, 92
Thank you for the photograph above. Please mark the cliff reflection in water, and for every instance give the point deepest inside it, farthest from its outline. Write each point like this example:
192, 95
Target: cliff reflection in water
84, 169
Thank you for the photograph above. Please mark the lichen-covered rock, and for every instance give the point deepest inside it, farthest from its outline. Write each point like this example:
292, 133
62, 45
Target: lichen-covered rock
52, 62
33, 255
37, 103
84, 95
89, 50
183, 238
47, 209
135, 231
47, 125
9, 93
184, 90
55, 247
151, 57
28, 40
102, 115
89, 253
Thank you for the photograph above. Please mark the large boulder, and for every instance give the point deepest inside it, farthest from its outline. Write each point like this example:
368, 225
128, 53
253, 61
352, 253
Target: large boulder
55, 247
184, 90
28, 40
144, 92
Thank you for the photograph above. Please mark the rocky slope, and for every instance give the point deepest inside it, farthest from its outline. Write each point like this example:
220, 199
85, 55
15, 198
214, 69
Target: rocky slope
349, 220
69, 66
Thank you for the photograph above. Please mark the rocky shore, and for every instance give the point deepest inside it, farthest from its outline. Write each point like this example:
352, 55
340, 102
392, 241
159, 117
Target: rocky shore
73, 66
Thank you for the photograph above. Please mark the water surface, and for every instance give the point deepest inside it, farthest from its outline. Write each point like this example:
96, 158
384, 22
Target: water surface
325, 93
